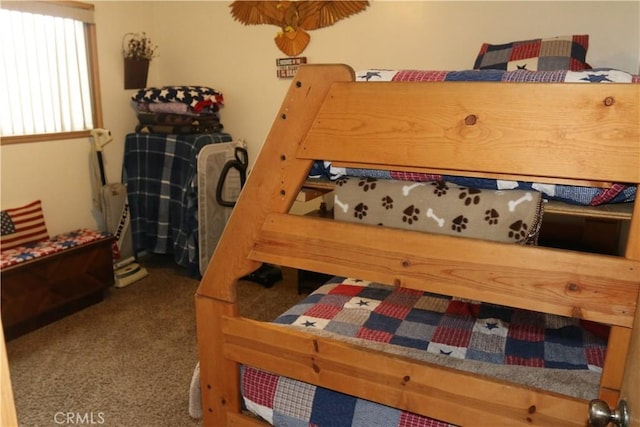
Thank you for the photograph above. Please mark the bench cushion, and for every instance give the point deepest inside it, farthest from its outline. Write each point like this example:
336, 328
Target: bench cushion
56, 244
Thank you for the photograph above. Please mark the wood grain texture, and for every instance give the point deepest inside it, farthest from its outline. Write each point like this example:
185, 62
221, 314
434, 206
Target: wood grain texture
520, 129
572, 133
554, 281
419, 387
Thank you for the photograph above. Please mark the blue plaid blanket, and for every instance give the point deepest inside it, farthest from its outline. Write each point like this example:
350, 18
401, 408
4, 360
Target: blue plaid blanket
160, 174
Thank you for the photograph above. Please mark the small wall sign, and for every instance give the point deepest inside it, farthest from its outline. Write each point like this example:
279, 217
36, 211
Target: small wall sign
286, 68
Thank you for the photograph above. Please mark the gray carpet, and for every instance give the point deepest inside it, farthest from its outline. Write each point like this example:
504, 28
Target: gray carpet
128, 360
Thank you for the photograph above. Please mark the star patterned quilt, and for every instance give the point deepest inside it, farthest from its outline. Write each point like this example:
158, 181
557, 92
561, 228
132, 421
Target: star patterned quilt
54, 245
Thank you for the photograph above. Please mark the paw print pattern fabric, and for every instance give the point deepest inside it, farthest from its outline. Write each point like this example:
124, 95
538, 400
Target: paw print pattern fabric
441, 207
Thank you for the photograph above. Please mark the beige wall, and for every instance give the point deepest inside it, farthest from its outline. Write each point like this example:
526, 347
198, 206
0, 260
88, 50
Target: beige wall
201, 44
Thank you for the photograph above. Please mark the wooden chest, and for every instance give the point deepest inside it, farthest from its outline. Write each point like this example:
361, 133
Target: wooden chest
45, 289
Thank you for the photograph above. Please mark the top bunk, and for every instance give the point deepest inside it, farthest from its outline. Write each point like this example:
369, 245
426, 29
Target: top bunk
606, 200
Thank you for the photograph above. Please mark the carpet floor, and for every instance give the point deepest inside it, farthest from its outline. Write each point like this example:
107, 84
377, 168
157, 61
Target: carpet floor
128, 360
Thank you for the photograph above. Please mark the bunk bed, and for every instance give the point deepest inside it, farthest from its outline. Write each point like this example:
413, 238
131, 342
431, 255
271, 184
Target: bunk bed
574, 134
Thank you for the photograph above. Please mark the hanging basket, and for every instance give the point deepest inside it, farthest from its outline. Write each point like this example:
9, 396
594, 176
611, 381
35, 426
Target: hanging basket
135, 73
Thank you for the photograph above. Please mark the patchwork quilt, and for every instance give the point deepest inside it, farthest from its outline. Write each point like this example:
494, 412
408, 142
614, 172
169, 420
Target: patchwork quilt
556, 53
618, 193
414, 323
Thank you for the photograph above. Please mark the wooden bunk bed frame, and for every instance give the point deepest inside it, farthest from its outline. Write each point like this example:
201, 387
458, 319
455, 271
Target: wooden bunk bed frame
556, 132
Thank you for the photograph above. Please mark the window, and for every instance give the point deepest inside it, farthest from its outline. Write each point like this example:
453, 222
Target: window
48, 71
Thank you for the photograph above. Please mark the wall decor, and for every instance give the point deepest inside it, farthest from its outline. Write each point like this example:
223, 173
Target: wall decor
138, 50
286, 68
294, 18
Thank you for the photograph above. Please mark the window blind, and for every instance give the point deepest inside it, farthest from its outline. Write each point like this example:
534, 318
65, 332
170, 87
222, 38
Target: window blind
44, 72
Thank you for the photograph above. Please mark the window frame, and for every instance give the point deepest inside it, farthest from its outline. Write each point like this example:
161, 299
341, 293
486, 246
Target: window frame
94, 79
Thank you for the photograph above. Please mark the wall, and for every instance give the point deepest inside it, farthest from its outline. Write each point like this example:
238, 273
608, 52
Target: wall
201, 44
240, 60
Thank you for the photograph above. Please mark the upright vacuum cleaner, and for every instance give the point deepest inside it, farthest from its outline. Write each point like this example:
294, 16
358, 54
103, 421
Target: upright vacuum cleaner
266, 275
112, 203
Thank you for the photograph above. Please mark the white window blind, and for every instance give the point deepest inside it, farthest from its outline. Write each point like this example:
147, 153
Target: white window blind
44, 70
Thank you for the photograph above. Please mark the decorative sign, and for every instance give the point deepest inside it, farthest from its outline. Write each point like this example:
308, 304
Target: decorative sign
286, 68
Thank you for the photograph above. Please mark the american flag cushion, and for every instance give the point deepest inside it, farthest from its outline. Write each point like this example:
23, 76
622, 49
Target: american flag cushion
551, 54
55, 244
23, 225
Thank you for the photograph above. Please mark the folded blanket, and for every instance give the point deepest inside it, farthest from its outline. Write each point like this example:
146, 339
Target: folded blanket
181, 124
179, 130
196, 97
170, 119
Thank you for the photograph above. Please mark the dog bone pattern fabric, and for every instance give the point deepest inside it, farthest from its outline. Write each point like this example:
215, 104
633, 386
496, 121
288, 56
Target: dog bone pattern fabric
440, 207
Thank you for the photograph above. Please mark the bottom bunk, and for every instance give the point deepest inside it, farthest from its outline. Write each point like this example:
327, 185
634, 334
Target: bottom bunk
554, 353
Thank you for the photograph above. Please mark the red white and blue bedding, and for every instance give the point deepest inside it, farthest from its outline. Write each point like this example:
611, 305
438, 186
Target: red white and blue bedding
182, 110
423, 326
58, 243
589, 196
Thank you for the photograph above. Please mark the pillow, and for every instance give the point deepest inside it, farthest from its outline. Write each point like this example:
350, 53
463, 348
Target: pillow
23, 225
511, 216
552, 54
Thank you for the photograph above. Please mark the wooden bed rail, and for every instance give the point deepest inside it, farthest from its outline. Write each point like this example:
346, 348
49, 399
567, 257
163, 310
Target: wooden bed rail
272, 186
592, 287
441, 126
396, 381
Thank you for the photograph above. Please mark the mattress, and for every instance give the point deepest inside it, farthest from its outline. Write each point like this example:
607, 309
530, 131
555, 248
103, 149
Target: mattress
56, 244
540, 350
